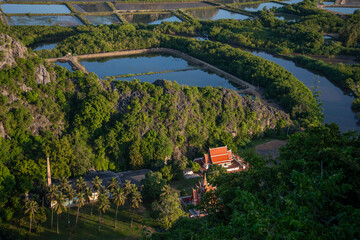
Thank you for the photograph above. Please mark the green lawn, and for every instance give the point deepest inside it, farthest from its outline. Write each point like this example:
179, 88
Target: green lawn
186, 184
88, 226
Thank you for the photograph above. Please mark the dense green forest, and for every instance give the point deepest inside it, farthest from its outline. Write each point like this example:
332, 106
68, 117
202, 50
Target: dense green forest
82, 123
313, 193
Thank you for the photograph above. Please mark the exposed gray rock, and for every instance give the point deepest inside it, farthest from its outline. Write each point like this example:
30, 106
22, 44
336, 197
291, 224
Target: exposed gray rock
42, 75
2, 131
39, 123
10, 49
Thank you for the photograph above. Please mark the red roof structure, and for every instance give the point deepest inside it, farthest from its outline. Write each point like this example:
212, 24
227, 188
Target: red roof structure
196, 196
224, 157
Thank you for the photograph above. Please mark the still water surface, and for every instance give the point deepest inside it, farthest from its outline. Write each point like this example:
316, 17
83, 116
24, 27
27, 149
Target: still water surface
35, 8
151, 19
185, 72
336, 104
258, 6
106, 20
66, 21
342, 9
215, 14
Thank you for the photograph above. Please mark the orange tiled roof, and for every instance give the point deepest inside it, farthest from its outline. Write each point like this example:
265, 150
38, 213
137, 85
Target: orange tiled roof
220, 155
220, 159
218, 151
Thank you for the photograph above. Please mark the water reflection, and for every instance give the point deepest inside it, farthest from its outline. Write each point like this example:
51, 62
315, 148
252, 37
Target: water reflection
67, 21
42, 46
93, 7
258, 6
151, 19
34, 8
157, 6
342, 9
215, 14
65, 65
335, 103
181, 70
106, 20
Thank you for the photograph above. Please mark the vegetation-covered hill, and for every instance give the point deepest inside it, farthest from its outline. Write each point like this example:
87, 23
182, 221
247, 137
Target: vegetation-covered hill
82, 123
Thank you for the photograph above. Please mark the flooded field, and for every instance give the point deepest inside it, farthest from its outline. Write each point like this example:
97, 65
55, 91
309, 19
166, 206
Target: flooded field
154, 67
66, 21
157, 6
35, 8
94, 7
254, 7
342, 9
292, 1
215, 14
106, 20
151, 19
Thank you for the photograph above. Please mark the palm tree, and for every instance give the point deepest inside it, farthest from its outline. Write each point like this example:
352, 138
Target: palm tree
80, 202
51, 196
135, 200
88, 194
96, 182
119, 198
127, 187
63, 184
59, 208
80, 185
113, 184
70, 193
31, 207
104, 204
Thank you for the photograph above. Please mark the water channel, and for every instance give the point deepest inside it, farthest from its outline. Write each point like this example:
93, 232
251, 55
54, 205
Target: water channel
336, 104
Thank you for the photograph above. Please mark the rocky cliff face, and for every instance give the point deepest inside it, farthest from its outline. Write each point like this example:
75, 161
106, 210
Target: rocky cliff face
15, 94
10, 49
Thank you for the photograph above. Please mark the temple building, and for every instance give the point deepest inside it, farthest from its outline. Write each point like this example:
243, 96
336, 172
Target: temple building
224, 157
196, 197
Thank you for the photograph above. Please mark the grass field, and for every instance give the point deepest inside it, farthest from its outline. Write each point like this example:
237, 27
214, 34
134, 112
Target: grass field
88, 225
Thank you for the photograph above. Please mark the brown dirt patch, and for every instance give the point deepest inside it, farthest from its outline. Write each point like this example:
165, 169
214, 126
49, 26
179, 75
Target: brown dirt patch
270, 149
